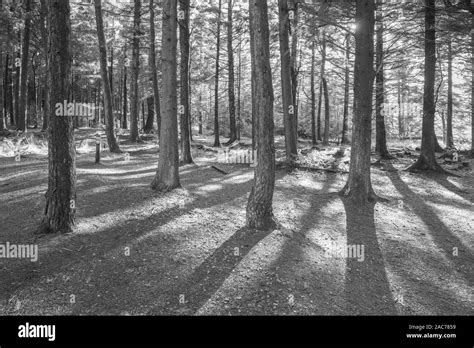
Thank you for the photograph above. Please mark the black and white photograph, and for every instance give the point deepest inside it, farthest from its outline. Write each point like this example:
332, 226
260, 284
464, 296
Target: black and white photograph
237, 158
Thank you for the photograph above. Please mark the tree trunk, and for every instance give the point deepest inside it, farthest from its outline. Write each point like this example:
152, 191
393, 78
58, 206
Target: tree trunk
17, 85
6, 87
345, 121
33, 97
200, 112
44, 44
286, 87
259, 206
230, 55
323, 68
22, 124
150, 119
184, 78
427, 159
3, 86
239, 94
401, 123
313, 96
293, 64
443, 123
94, 98
380, 133
326, 112
106, 82
134, 100
2, 81
4, 94
125, 99
111, 75
472, 83
252, 81
359, 186
318, 118
154, 70
118, 99
75, 120
449, 115
217, 142
167, 175
59, 213
143, 114
10, 94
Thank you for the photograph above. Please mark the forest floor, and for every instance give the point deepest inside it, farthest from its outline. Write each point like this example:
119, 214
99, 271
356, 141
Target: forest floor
139, 252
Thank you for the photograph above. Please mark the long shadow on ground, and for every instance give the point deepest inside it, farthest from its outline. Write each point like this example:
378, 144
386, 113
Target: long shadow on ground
269, 284
442, 236
443, 181
89, 248
210, 275
366, 286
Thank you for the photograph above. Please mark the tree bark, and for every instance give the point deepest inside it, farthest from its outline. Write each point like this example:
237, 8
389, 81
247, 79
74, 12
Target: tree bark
143, 114
154, 70
134, 100
449, 115
3, 104
427, 159
359, 186
217, 142
106, 82
230, 59
167, 175
22, 109
2, 109
3, 86
239, 93
44, 44
323, 68
380, 133
16, 90
6, 88
111, 75
252, 80
259, 206
472, 83
313, 95
200, 112
184, 86
150, 119
326, 112
443, 123
401, 123
286, 86
4, 99
59, 213
125, 99
345, 120
2, 80
293, 64
10, 92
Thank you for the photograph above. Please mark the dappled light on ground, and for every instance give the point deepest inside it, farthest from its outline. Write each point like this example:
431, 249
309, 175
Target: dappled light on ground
136, 251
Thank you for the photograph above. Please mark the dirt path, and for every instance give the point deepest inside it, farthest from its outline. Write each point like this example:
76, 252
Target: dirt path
138, 252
